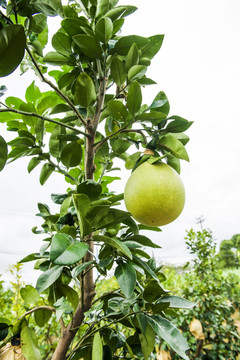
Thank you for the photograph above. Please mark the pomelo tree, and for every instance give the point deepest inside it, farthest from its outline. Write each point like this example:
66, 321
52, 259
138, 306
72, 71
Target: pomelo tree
92, 114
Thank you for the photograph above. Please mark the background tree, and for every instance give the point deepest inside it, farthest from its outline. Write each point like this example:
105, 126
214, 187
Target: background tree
92, 114
229, 252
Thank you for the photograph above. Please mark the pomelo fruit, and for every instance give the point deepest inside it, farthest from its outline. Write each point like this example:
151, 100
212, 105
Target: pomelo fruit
154, 194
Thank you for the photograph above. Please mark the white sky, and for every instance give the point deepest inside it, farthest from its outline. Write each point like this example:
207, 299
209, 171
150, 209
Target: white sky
198, 68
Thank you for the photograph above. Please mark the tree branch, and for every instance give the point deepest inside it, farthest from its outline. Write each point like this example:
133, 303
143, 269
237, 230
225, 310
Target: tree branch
43, 118
44, 307
55, 88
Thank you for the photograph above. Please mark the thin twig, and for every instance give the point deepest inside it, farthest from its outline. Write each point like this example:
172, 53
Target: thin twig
43, 118
54, 87
42, 307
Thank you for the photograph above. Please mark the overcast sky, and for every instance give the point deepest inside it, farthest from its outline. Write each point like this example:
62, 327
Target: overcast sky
198, 69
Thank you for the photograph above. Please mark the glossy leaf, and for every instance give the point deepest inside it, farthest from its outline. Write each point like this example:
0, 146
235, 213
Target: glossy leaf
126, 277
3, 153
118, 71
172, 144
132, 57
178, 124
134, 99
4, 326
168, 332
154, 45
62, 43
37, 23
85, 90
90, 188
136, 72
74, 26
116, 12
71, 154
42, 316
88, 45
176, 302
12, 48
97, 349
54, 58
145, 267
161, 103
104, 30
144, 241
49, 7
174, 163
45, 173
124, 44
115, 243
81, 203
102, 8
33, 93
56, 145
64, 251
47, 278
153, 116
80, 268
153, 291
29, 294
147, 340
118, 109
29, 344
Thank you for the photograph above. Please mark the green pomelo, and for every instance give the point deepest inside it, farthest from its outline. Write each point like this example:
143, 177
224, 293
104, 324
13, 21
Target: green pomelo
154, 194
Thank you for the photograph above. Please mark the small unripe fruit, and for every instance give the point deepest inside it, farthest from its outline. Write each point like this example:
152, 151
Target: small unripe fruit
154, 194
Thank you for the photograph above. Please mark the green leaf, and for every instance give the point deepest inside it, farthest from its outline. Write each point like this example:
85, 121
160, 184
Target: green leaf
153, 116
45, 173
160, 103
144, 241
115, 243
89, 46
49, 7
145, 267
136, 72
82, 203
71, 154
42, 316
80, 268
30, 295
118, 71
118, 109
62, 43
126, 277
104, 30
29, 344
172, 144
3, 153
37, 23
85, 92
74, 26
64, 251
134, 99
178, 125
97, 349
4, 326
55, 143
131, 160
124, 44
174, 163
168, 332
102, 8
12, 48
154, 45
176, 302
32, 93
116, 12
153, 291
46, 279
147, 340
54, 58
132, 57
90, 188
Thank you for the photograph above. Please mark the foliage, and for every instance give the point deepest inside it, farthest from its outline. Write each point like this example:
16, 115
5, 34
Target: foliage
229, 252
92, 115
216, 298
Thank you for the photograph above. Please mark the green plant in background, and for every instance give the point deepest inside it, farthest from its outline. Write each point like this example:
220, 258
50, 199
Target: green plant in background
92, 115
212, 333
229, 252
